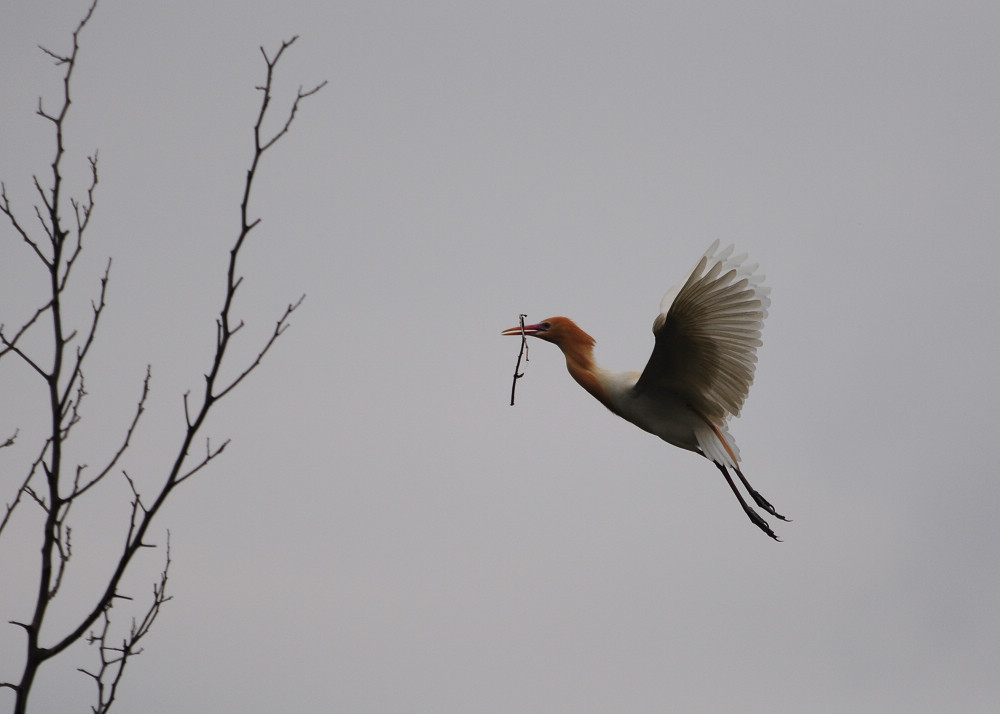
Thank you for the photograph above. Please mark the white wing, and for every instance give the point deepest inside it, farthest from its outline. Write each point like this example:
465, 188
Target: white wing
707, 335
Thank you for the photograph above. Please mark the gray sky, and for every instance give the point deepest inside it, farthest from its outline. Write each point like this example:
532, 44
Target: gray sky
385, 533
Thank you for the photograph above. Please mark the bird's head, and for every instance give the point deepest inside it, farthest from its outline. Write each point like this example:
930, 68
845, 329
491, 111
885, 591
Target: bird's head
557, 330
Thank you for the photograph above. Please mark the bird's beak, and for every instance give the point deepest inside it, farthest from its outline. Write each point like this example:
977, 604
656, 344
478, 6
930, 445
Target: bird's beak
528, 330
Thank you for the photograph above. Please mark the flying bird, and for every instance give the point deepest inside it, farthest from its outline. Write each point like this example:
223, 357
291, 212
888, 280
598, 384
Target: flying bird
701, 369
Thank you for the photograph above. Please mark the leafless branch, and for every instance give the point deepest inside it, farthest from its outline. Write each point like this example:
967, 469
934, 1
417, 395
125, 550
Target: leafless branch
76, 373
279, 328
64, 546
266, 88
126, 442
10, 344
21, 491
82, 212
45, 200
210, 454
111, 658
25, 488
70, 409
51, 482
9, 212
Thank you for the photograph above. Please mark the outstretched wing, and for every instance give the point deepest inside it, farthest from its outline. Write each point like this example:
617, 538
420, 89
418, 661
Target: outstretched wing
707, 335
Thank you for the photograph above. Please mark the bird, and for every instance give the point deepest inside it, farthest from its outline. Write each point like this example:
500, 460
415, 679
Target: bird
699, 374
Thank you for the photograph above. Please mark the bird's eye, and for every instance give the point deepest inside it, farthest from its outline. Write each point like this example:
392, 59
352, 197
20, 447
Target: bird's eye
545, 325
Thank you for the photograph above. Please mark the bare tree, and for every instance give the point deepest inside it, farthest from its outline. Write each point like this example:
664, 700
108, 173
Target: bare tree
53, 483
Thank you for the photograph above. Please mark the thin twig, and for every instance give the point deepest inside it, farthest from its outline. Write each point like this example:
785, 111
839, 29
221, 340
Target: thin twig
8, 345
9, 212
523, 352
25, 488
113, 658
140, 408
279, 328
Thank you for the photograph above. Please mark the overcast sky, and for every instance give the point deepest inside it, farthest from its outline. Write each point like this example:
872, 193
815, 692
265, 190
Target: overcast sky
387, 534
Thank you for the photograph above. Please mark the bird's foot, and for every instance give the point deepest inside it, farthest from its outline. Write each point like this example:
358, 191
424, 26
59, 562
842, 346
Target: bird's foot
760, 522
758, 499
755, 517
763, 503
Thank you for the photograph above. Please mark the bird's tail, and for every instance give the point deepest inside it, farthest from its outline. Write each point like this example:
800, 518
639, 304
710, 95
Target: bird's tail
717, 444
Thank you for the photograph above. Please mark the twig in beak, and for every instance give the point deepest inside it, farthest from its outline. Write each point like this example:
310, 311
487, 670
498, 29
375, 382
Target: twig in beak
517, 369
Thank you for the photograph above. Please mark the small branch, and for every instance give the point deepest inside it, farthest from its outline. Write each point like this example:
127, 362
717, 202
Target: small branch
25, 488
291, 114
37, 499
112, 658
279, 328
9, 212
523, 352
209, 455
58, 58
136, 507
81, 352
9, 344
266, 88
140, 408
64, 545
49, 207
83, 213
72, 410
261, 146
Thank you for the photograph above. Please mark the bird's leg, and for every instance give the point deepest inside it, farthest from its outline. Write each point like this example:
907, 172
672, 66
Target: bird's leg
754, 516
758, 499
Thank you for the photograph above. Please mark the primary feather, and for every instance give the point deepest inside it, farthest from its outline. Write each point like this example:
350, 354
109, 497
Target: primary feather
707, 335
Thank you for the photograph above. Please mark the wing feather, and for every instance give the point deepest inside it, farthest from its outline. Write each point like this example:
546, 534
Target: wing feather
707, 335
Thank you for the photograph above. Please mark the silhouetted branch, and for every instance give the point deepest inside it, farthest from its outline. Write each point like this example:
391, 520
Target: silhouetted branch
279, 328
210, 454
140, 522
8, 345
112, 659
51, 482
25, 488
11, 345
9, 212
76, 373
271, 63
140, 408
82, 212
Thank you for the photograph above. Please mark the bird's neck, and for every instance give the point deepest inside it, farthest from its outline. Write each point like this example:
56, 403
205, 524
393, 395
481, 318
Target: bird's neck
579, 351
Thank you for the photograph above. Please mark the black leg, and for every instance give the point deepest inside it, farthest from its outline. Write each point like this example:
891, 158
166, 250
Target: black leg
757, 498
752, 514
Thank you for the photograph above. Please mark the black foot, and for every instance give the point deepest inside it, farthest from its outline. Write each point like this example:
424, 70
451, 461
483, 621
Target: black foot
752, 514
758, 499
760, 522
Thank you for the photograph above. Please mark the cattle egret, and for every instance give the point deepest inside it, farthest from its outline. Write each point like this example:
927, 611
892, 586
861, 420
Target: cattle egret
702, 366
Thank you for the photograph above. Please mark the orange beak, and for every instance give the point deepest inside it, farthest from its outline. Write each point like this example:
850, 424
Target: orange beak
529, 330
